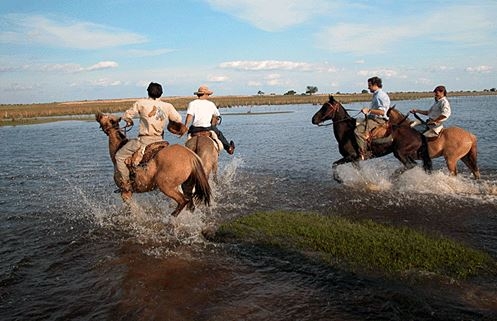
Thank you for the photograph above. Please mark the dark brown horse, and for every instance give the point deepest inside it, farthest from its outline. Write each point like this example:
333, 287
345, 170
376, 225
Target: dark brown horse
171, 167
343, 128
453, 143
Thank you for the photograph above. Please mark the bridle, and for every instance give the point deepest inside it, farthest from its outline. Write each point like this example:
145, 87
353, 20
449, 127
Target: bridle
333, 108
124, 130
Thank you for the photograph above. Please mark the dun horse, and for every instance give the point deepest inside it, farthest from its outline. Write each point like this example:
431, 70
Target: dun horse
169, 168
453, 143
343, 128
205, 147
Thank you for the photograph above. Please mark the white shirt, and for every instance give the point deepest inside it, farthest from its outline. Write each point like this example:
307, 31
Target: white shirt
202, 111
440, 107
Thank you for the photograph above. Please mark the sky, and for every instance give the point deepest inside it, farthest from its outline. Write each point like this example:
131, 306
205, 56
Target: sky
71, 50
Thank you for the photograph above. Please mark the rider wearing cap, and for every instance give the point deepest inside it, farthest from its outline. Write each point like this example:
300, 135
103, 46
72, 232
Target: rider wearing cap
438, 113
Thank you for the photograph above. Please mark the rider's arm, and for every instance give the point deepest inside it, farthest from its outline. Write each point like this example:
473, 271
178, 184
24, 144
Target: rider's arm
188, 120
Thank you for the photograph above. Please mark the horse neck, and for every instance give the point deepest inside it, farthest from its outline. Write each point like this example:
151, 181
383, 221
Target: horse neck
116, 141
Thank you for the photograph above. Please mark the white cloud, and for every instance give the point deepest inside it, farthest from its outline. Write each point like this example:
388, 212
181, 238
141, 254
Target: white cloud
480, 69
389, 73
265, 65
218, 78
274, 15
63, 68
465, 25
103, 65
149, 53
103, 82
29, 29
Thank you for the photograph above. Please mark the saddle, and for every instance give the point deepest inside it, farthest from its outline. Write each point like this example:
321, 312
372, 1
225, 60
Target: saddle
144, 154
380, 135
211, 134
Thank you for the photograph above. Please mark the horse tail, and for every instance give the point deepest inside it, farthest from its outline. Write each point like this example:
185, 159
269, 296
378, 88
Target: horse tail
202, 191
425, 156
470, 159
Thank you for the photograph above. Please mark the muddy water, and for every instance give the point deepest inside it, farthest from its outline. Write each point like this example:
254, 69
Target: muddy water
71, 250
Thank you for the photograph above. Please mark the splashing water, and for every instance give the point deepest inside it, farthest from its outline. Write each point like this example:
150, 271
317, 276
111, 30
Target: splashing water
378, 175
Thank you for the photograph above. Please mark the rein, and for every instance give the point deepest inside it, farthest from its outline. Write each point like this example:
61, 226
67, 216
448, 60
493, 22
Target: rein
341, 120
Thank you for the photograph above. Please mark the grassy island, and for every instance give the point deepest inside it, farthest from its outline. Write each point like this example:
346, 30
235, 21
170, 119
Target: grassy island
363, 246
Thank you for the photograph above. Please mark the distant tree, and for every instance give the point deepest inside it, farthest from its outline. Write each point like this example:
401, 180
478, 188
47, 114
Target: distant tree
311, 90
364, 91
290, 93
492, 89
260, 93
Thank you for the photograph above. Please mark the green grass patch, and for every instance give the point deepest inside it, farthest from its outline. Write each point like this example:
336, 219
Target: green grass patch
359, 245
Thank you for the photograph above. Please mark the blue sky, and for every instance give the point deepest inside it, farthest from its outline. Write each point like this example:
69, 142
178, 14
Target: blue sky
64, 50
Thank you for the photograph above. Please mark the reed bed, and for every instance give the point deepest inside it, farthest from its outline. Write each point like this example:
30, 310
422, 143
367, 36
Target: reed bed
20, 112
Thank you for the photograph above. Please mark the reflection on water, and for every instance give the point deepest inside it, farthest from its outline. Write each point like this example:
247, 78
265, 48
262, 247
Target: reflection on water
71, 250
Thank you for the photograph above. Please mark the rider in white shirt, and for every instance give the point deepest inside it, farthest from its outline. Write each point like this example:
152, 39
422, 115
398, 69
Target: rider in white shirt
438, 113
204, 115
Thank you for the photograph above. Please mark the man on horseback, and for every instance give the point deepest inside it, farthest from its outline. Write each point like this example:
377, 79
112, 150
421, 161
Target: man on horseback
204, 116
153, 115
438, 113
376, 115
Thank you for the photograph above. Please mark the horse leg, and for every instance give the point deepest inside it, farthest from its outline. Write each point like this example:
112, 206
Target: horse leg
451, 165
173, 193
187, 188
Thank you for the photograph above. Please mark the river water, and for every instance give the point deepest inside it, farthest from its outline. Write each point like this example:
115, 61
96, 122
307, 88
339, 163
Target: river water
71, 251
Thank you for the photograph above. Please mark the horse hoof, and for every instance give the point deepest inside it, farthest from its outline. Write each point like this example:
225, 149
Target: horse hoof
126, 196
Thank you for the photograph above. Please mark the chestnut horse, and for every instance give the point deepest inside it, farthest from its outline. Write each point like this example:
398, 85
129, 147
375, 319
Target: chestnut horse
453, 143
171, 167
343, 128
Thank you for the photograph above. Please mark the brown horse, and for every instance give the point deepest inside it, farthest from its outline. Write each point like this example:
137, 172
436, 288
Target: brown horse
453, 143
171, 167
343, 128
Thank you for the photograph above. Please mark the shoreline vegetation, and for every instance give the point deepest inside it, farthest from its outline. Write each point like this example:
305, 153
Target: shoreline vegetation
358, 246
25, 114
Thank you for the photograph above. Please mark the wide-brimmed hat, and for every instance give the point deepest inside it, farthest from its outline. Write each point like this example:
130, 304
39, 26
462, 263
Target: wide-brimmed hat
203, 90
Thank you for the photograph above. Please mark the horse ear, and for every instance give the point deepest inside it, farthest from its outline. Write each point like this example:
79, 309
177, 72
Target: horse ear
331, 98
98, 116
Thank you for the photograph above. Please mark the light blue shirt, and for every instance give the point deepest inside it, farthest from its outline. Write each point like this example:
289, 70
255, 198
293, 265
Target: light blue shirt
380, 101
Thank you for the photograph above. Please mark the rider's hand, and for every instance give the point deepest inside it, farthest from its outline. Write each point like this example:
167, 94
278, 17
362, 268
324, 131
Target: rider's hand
413, 111
365, 111
129, 122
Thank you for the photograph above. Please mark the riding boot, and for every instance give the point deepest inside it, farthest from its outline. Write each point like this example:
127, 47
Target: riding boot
231, 148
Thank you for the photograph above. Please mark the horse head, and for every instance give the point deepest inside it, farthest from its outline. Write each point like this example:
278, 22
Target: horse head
395, 117
107, 122
328, 111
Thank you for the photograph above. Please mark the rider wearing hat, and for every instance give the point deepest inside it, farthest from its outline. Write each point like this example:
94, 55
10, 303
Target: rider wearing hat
204, 116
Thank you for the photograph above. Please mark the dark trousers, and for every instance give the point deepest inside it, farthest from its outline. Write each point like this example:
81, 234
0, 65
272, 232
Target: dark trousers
194, 129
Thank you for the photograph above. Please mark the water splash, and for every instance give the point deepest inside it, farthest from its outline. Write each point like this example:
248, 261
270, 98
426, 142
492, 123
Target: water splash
379, 175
